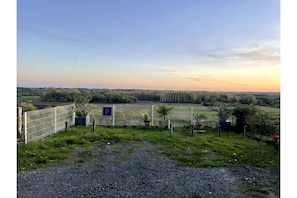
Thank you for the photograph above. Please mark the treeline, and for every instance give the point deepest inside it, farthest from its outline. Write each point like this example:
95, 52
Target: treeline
23, 91
207, 98
134, 96
68, 95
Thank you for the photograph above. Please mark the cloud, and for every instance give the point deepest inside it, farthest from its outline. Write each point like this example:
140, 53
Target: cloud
54, 34
59, 35
268, 52
183, 72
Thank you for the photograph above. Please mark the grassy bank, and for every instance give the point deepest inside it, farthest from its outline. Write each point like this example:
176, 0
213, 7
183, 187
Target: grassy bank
200, 150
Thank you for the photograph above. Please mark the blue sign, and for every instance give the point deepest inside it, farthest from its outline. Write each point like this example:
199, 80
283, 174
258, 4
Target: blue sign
107, 111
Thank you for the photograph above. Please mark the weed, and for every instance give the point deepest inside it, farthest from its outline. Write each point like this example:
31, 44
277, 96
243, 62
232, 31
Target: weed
85, 154
253, 186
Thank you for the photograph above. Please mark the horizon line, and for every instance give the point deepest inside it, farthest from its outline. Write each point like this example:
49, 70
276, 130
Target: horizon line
147, 89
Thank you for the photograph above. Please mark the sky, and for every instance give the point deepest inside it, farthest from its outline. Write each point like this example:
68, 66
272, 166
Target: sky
200, 45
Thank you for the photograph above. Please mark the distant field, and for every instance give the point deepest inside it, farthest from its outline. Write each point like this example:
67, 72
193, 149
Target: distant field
28, 98
183, 110
209, 112
270, 109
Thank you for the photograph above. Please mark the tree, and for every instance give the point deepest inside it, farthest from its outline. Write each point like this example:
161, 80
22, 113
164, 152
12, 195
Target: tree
248, 99
244, 115
199, 117
265, 124
163, 110
224, 112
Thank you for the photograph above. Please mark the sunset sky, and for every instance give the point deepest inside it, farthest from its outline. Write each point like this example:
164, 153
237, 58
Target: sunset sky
208, 45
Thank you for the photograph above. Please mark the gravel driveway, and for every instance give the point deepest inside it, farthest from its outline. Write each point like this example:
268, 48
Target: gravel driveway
134, 170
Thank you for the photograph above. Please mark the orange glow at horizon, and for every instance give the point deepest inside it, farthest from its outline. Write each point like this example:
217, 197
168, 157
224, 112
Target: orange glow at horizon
254, 79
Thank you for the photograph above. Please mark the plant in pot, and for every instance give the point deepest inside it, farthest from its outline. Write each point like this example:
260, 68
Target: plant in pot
81, 109
223, 114
198, 119
146, 119
163, 111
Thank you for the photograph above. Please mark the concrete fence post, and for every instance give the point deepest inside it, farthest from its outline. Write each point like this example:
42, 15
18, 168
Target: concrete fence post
152, 115
113, 116
73, 118
19, 122
25, 128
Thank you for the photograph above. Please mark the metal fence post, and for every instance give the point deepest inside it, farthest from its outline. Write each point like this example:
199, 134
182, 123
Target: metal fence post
25, 127
55, 120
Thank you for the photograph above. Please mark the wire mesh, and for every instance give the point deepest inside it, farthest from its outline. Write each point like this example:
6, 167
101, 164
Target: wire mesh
44, 122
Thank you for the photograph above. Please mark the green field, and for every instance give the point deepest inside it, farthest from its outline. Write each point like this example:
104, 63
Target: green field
272, 110
182, 110
28, 98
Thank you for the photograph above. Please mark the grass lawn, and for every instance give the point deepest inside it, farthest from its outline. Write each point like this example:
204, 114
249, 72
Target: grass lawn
28, 98
200, 150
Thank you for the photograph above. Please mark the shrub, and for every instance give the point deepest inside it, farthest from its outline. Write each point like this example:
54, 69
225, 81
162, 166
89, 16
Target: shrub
81, 102
27, 106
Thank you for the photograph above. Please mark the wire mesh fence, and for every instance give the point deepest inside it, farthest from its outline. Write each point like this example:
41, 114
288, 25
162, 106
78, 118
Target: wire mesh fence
121, 114
42, 123
132, 114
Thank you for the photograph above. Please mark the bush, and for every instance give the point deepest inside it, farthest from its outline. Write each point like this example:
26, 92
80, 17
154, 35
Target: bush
244, 115
27, 106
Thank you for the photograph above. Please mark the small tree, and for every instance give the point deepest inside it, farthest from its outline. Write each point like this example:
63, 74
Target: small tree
199, 117
163, 110
224, 112
81, 102
198, 120
244, 115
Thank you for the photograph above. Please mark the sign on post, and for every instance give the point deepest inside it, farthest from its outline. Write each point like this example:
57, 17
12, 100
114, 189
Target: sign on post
107, 111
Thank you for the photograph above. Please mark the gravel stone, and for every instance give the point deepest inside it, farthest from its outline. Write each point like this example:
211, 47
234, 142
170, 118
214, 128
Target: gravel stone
134, 170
